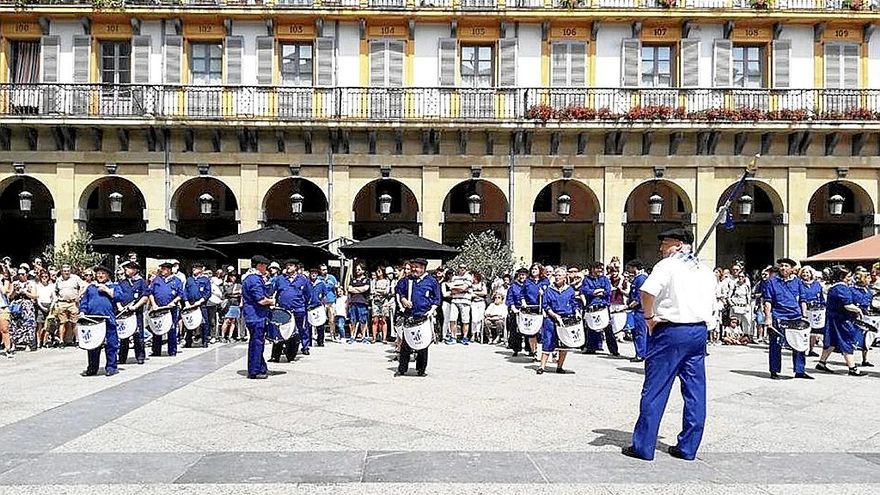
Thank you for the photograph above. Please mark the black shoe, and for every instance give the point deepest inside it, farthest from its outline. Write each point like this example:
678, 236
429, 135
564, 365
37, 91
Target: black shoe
261, 376
676, 452
140, 361
631, 452
855, 372
88, 373
823, 367
205, 345
615, 354
812, 354
274, 360
111, 373
153, 354
305, 352
561, 371
636, 360
866, 364
774, 376
804, 376
321, 344
539, 371
515, 354
589, 351
397, 373
420, 373
532, 354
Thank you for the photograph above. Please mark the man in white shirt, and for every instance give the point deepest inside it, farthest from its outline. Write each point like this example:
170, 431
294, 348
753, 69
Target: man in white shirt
461, 302
68, 288
677, 299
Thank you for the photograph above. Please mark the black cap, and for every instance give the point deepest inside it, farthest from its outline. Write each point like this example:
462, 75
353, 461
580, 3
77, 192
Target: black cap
680, 234
420, 261
131, 264
292, 261
259, 260
522, 270
198, 264
102, 268
166, 264
788, 261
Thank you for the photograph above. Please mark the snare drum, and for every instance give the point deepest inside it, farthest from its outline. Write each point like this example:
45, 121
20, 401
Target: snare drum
816, 314
797, 334
530, 320
281, 325
126, 324
571, 332
619, 316
317, 316
161, 321
91, 331
597, 316
192, 318
418, 331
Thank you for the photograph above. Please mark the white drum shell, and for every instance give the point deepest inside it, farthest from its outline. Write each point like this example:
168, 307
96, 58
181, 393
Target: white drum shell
798, 339
529, 324
192, 318
317, 316
161, 324
126, 327
598, 320
571, 335
91, 336
618, 320
420, 336
287, 329
817, 318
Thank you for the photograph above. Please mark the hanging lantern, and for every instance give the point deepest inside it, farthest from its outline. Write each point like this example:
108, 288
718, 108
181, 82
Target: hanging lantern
655, 205
206, 204
296, 203
115, 202
563, 205
746, 203
835, 205
475, 202
25, 201
385, 204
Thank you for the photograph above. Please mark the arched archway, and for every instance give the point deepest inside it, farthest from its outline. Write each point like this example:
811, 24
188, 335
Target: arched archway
565, 239
218, 219
368, 218
458, 223
113, 205
754, 237
311, 223
32, 221
641, 229
827, 231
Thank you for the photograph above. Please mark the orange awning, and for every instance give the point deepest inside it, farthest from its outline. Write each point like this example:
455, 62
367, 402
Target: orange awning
867, 249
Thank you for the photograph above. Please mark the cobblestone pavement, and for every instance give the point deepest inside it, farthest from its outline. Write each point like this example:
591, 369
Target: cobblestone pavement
480, 422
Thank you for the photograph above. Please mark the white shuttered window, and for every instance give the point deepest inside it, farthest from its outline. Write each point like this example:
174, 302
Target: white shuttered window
568, 64
842, 66
386, 63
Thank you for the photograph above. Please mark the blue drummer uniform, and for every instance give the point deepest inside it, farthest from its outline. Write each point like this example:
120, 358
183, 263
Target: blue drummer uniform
861, 297
533, 293
253, 290
318, 298
94, 302
840, 331
199, 289
425, 294
562, 302
640, 328
594, 338
515, 299
785, 298
292, 294
813, 294
131, 290
164, 291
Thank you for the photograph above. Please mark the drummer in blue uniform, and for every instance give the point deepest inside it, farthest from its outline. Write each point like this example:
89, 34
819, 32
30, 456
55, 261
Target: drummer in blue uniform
292, 292
596, 289
514, 301
560, 301
678, 298
532, 294
640, 328
813, 297
782, 306
418, 295
256, 300
132, 294
198, 291
166, 290
318, 298
862, 295
97, 300
840, 313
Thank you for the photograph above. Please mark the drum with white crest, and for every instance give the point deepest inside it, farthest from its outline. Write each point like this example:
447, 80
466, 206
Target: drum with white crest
529, 320
597, 317
91, 330
571, 332
126, 324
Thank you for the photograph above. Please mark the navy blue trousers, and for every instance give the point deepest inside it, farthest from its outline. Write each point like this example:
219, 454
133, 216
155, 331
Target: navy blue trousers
798, 359
640, 334
256, 344
111, 350
674, 350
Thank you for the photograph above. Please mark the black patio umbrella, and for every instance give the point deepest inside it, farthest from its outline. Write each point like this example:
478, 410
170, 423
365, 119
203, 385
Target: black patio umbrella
273, 241
158, 243
398, 246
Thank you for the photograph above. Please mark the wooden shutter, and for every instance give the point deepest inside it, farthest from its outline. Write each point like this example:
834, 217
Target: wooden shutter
568, 64
781, 63
232, 59
265, 57
173, 56
832, 66
723, 64
448, 55
631, 51
850, 66
559, 64
377, 63
82, 47
690, 63
578, 53
395, 63
49, 51
507, 62
325, 49
140, 59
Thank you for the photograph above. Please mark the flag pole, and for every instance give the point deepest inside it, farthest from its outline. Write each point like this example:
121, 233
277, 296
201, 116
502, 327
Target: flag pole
750, 170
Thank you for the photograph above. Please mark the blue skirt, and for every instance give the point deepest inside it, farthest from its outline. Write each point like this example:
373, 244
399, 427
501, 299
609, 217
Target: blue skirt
233, 313
839, 334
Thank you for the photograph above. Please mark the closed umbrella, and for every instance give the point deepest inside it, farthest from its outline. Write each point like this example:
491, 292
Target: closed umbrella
273, 241
398, 246
158, 243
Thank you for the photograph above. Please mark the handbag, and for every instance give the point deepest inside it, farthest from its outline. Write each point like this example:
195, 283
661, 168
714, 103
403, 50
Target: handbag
15, 308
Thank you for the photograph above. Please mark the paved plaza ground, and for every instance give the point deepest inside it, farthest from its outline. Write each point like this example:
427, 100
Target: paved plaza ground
480, 422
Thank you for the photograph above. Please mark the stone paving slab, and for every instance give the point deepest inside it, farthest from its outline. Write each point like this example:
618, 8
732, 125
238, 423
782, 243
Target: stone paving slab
77, 469
451, 467
275, 467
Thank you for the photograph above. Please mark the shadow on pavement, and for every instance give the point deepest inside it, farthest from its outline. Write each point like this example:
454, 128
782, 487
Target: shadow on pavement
271, 372
758, 374
638, 371
619, 438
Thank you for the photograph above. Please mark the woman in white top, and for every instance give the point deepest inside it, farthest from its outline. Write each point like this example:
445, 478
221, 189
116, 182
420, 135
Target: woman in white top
496, 318
380, 297
478, 307
45, 300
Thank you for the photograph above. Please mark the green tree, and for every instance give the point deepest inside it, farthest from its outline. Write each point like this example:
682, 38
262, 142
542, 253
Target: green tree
76, 251
486, 253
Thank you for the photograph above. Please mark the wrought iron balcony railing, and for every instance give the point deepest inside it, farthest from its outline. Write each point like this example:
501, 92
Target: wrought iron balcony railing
757, 5
424, 104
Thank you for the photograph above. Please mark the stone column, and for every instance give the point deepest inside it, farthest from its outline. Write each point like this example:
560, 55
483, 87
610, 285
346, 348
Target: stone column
613, 203
431, 203
521, 212
157, 203
66, 202
340, 202
249, 200
797, 201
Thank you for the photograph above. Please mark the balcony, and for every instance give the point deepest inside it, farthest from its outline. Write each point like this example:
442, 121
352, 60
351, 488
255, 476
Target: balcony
50, 103
762, 6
